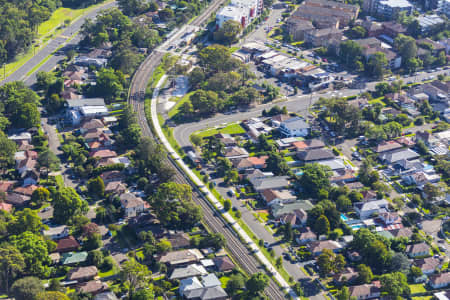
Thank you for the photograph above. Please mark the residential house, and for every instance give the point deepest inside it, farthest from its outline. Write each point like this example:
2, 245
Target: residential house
111, 176
92, 124
115, 188
106, 296
348, 275
390, 218
24, 136
365, 291
6, 207
54, 258
306, 145
279, 210
420, 178
417, 250
235, 152
278, 119
103, 153
315, 155
253, 162
336, 164
305, 236
92, 287
188, 271
393, 156
387, 146
436, 47
372, 28
181, 257
226, 139
210, 280
354, 256
132, 205
67, 244
56, 233
342, 177
30, 178
367, 209
401, 232
206, 293
440, 280
369, 195
316, 247
25, 190
274, 183
294, 127
224, 264
17, 200
6, 186
278, 196
189, 284
428, 265
82, 274
179, 240
73, 258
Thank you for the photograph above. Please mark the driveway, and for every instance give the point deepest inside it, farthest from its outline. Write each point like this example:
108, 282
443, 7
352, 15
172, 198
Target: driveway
54, 145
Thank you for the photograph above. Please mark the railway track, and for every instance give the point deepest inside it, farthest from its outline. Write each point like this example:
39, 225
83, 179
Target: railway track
212, 219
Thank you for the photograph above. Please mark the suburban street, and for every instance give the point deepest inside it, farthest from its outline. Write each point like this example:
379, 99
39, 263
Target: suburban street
297, 103
62, 39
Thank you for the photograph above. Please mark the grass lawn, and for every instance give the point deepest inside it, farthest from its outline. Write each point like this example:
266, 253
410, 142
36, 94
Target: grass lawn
417, 288
175, 109
233, 49
224, 279
289, 158
422, 298
111, 272
377, 100
230, 129
46, 31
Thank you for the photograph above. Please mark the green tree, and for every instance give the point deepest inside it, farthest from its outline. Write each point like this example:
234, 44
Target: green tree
134, 276
406, 46
52, 295
44, 80
26, 220
432, 192
358, 32
257, 283
216, 58
163, 246
27, 288
67, 204
48, 160
343, 203
322, 225
109, 84
96, 186
276, 164
343, 294
26, 116
228, 32
235, 284
279, 262
288, 232
416, 271
314, 178
40, 195
394, 284
325, 262
442, 59
7, 150
365, 274
34, 251
350, 53
227, 205
12, 263
377, 65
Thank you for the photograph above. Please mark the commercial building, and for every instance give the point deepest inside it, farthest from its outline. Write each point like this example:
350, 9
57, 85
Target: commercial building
241, 11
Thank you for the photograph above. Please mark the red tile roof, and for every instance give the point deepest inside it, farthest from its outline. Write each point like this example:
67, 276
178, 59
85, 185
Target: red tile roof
67, 244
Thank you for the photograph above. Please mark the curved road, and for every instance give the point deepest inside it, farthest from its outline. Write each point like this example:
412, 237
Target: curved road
298, 104
61, 39
215, 222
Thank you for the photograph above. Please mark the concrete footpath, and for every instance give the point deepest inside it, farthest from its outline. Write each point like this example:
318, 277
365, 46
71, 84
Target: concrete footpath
211, 197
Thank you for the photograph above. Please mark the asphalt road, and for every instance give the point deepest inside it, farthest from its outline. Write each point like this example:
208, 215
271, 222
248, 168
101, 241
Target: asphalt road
297, 103
21, 73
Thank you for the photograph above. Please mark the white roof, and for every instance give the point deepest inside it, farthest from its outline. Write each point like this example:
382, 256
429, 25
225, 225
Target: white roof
190, 283
21, 136
210, 280
334, 164
396, 3
55, 230
110, 119
89, 110
207, 263
443, 135
231, 12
